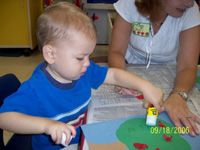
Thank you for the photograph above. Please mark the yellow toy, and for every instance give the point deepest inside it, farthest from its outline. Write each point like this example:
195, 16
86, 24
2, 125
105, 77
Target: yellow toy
152, 115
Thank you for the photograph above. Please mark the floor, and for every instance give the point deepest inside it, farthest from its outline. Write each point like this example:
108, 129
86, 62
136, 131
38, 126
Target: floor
23, 67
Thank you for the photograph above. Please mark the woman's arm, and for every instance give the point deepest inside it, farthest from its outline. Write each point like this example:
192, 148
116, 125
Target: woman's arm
188, 59
119, 42
185, 79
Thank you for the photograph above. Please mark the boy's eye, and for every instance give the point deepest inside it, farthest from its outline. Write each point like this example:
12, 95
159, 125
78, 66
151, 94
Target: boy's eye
80, 58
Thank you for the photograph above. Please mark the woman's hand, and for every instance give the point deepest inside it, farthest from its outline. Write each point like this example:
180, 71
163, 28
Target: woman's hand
179, 112
56, 128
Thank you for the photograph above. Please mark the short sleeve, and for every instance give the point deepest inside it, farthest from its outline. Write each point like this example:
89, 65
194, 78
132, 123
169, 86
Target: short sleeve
191, 17
97, 74
126, 8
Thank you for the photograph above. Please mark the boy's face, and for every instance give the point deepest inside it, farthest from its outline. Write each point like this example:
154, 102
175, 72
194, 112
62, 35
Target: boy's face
72, 58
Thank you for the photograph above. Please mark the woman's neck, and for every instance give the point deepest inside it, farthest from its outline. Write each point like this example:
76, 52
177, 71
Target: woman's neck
157, 24
160, 21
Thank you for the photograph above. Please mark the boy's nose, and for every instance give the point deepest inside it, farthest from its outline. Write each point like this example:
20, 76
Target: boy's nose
87, 62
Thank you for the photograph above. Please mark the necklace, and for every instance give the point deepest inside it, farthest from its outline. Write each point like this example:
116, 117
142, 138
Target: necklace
158, 24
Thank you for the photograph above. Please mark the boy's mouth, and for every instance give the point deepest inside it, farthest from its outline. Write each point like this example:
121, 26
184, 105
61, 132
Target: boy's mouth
82, 73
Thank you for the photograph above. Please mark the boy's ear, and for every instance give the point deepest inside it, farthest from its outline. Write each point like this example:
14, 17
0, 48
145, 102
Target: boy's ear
48, 53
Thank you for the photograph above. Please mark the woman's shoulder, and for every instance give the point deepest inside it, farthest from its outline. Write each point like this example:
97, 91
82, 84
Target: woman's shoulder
189, 21
125, 4
127, 10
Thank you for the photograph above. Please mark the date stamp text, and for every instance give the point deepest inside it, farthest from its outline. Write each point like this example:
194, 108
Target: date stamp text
169, 130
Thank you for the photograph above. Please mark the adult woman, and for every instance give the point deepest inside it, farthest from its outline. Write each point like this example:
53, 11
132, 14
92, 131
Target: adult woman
156, 32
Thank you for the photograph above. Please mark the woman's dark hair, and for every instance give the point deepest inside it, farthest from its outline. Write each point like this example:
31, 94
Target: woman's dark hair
149, 8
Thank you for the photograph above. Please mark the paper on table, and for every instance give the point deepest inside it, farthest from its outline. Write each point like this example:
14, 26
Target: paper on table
107, 104
126, 131
194, 97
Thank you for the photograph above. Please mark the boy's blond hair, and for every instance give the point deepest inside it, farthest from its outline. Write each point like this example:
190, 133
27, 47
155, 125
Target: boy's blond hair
60, 20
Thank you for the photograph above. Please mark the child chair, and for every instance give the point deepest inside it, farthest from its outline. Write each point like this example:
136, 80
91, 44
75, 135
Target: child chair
9, 84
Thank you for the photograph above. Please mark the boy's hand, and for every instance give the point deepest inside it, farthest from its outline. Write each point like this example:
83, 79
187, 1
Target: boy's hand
153, 95
56, 129
126, 79
155, 98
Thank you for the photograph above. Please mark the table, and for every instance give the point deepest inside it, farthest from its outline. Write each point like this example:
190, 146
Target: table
106, 104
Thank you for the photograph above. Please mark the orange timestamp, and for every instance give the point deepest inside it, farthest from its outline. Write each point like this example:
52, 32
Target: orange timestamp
169, 130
